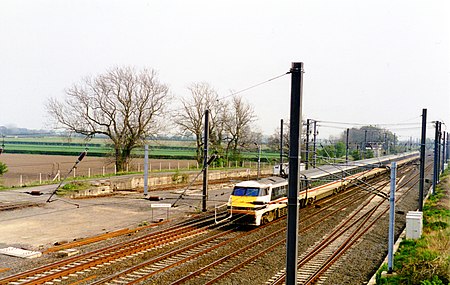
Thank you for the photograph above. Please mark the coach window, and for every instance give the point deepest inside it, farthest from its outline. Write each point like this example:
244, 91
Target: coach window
275, 192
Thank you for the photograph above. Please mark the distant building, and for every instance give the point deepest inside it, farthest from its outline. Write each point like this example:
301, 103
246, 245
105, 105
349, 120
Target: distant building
376, 147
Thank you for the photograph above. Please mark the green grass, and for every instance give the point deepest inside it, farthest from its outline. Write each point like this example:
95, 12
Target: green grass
62, 146
163, 149
73, 186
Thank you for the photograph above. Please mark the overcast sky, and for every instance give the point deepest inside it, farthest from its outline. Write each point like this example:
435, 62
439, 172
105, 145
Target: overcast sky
366, 62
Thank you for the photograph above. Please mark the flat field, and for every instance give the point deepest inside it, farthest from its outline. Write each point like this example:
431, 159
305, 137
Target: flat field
33, 160
96, 147
24, 169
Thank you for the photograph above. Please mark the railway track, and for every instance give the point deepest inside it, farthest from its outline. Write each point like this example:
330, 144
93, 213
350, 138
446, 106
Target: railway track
244, 255
313, 264
86, 266
208, 254
100, 258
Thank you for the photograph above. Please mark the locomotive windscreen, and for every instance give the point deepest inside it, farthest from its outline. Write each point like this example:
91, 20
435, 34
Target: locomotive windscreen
246, 191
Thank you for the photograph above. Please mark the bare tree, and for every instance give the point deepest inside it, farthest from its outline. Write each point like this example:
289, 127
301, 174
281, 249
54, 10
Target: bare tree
122, 104
237, 124
191, 116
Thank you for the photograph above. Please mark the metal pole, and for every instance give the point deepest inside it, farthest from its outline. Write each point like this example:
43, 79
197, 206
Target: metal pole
294, 157
146, 170
314, 145
364, 146
281, 146
395, 143
439, 152
259, 162
443, 152
205, 161
448, 148
392, 218
307, 145
346, 147
435, 162
422, 158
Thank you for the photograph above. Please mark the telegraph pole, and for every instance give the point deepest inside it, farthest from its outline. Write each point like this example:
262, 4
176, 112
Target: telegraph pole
307, 145
314, 145
294, 161
205, 161
422, 158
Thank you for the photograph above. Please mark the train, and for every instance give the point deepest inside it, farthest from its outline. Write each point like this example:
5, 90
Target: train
257, 202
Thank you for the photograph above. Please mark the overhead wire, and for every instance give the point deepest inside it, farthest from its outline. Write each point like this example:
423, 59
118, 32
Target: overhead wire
367, 124
253, 86
370, 189
188, 106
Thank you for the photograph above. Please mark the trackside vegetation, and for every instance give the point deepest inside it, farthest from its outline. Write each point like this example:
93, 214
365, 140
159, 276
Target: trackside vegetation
426, 261
3, 168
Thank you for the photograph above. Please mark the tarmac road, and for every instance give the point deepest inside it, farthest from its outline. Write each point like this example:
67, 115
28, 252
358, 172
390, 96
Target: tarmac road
40, 226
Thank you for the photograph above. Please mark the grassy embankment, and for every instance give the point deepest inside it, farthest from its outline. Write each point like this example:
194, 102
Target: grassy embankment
426, 261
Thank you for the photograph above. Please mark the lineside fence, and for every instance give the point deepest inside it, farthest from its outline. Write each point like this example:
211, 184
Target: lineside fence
19, 176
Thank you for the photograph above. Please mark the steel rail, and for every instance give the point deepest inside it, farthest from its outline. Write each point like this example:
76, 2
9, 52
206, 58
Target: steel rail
148, 241
355, 236
176, 263
264, 251
363, 229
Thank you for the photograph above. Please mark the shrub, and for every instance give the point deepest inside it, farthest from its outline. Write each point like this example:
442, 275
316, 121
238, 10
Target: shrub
73, 186
3, 168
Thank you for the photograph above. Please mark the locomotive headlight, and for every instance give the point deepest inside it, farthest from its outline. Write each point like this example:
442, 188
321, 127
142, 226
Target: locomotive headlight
260, 207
